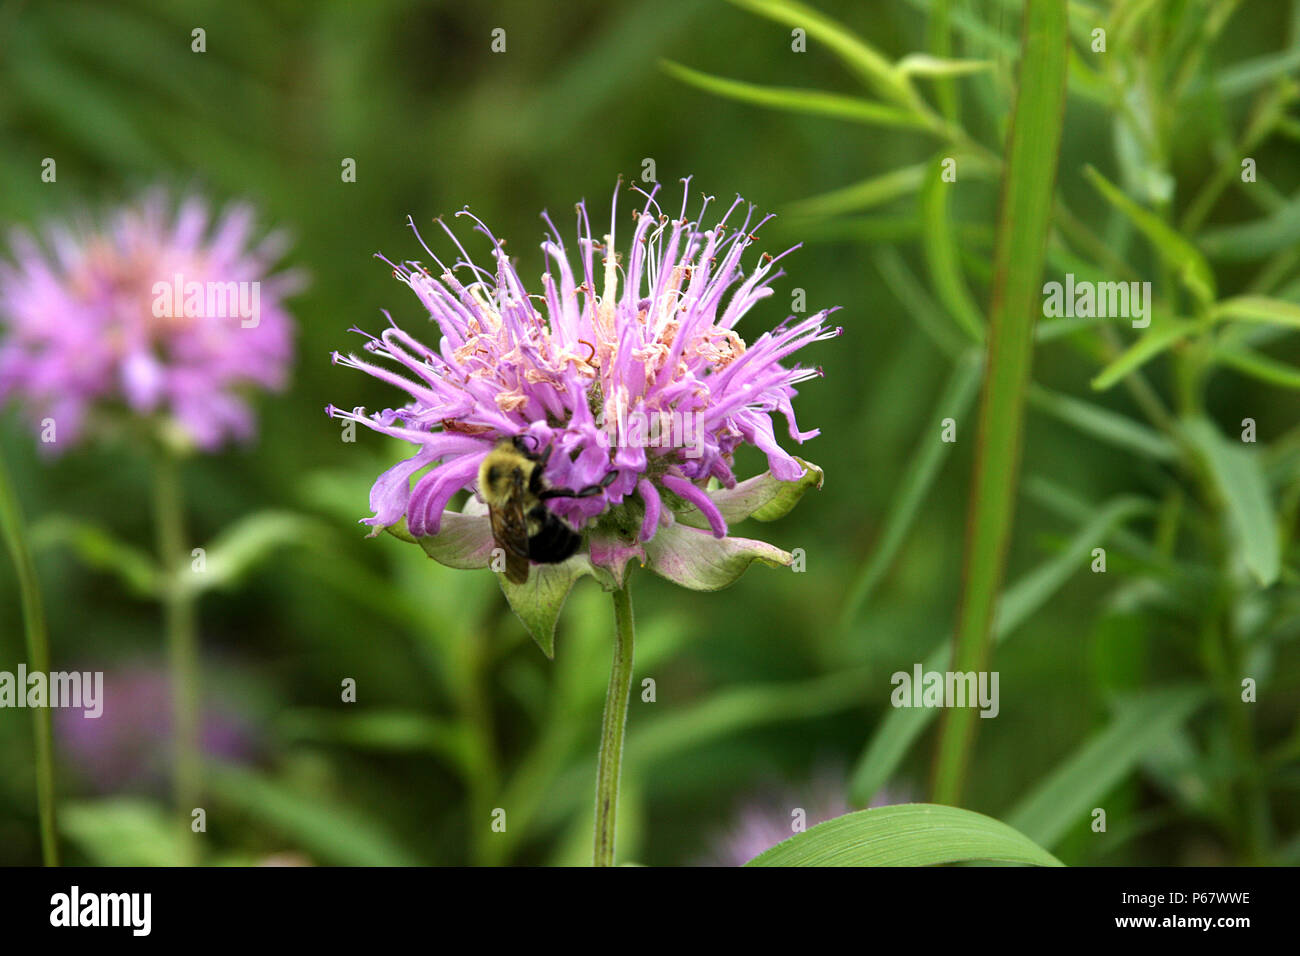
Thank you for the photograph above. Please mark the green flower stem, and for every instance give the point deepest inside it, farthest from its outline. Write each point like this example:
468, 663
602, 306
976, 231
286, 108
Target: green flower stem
1023, 222
38, 654
182, 644
612, 727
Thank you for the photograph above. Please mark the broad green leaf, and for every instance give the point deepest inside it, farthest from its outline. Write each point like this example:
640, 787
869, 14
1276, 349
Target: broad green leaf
911, 834
874, 191
1239, 478
922, 64
325, 829
697, 560
1104, 424
914, 488
871, 66
1176, 251
815, 102
99, 549
941, 254
895, 734
1157, 338
762, 497
1067, 795
1025, 215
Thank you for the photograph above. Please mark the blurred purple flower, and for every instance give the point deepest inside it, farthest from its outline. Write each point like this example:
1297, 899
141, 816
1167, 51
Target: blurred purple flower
768, 819
129, 744
592, 379
166, 312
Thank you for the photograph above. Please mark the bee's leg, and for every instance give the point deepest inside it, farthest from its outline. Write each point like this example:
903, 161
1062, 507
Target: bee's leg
587, 492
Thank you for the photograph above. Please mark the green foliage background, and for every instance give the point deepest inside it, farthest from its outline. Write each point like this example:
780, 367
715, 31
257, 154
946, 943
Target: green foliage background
1116, 688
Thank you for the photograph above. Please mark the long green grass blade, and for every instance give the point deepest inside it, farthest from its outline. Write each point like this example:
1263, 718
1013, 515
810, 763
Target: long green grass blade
13, 530
868, 63
813, 102
1068, 794
1032, 154
915, 485
911, 834
864, 195
1104, 425
901, 726
1258, 308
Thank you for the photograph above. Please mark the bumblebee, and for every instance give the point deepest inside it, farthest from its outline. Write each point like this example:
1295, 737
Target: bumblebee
511, 481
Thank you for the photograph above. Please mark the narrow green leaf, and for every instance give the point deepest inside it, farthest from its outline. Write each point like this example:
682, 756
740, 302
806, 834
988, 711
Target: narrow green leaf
1256, 239
814, 102
123, 831
1258, 308
1177, 252
914, 488
870, 65
1157, 338
735, 710
1266, 369
99, 549
922, 64
1248, 74
1104, 424
911, 834
941, 254
249, 540
1067, 795
895, 734
334, 833
864, 195
1033, 149
909, 291
1243, 490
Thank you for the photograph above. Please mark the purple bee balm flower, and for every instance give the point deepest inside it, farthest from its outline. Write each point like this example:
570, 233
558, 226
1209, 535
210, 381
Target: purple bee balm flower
168, 313
773, 817
129, 744
627, 375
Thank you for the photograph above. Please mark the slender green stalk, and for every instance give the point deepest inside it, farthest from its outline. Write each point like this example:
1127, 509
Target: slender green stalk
182, 644
1026, 208
611, 730
38, 654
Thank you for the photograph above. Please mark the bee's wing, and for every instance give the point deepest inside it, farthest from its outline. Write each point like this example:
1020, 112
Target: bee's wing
510, 531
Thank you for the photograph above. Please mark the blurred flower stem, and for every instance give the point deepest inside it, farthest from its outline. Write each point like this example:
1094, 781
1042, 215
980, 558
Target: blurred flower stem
612, 727
38, 654
182, 643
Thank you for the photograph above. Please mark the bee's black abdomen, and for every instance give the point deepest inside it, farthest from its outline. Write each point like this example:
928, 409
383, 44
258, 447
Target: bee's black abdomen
553, 540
